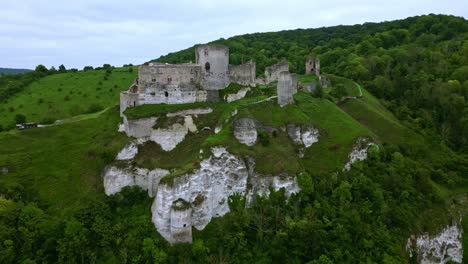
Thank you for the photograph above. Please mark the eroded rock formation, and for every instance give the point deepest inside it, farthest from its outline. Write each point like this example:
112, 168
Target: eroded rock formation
303, 134
444, 247
245, 131
195, 198
359, 152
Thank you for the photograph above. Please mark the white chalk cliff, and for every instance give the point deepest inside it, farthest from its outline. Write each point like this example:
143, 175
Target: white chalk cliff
245, 131
168, 137
439, 249
302, 134
359, 152
237, 96
195, 198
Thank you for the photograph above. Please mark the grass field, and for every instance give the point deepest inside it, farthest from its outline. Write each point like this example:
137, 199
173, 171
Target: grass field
61, 165
64, 95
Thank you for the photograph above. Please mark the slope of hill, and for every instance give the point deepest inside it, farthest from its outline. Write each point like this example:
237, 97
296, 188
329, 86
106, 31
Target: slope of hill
64, 95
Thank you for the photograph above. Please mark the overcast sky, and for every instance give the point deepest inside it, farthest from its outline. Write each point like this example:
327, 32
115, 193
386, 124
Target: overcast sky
92, 32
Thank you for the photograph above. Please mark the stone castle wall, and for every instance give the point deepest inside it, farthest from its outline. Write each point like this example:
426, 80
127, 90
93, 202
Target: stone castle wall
272, 72
312, 66
213, 61
170, 84
158, 75
128, 100
285, 88
243, 74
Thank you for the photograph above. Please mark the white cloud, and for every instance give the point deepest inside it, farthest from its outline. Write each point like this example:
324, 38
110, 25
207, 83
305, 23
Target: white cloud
86, 32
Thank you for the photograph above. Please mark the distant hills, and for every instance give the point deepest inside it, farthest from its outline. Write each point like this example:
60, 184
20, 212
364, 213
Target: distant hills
13, 71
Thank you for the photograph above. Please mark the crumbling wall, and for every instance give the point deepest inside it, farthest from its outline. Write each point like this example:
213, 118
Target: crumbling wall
173, 94
294, 82
285, 89
213, 61
157, 75
272, 72
128, 100
181, 222
170, 84
312, 66
243, 74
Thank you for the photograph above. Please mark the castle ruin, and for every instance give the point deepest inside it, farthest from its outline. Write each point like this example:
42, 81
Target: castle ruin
312, 65
162, 83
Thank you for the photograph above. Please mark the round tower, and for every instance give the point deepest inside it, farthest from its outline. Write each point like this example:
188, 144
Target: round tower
214, 62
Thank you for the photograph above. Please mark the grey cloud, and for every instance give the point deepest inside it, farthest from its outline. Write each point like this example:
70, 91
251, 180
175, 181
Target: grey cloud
86, 32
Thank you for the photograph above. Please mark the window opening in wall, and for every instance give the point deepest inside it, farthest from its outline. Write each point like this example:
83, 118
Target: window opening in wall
153, 94
166, 94
153, 80
134, 103
207, 66
185, 225
169, 80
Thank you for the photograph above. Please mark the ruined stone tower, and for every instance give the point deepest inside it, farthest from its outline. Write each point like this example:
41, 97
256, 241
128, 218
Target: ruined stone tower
285, 88
312, 65
214, 61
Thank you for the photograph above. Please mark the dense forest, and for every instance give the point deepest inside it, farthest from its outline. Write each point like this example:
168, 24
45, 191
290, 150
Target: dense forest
418, 67
12, 71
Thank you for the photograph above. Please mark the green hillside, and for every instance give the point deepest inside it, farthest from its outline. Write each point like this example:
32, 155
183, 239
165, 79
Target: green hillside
402, 84
63, 95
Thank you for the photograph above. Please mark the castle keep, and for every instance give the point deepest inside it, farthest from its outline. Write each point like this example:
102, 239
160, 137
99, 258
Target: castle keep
159, 83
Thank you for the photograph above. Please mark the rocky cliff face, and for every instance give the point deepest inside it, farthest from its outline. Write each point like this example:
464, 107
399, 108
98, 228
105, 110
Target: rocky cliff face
245, 131
359, 152
115, 179
195, 198
237, 96
167, 137
442, 248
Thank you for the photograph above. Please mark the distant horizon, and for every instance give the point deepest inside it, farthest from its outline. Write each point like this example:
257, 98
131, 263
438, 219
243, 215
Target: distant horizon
92, 33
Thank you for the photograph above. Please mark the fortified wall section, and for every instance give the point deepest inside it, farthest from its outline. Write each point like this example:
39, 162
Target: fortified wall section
213, 61
243, 74
272, 72
312, 65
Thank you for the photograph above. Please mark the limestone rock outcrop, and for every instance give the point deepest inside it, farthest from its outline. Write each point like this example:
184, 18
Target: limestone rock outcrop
115, 179
206, 189
237, 96
193, 199
167, 137
444, 247
359, 152
245, 131
128, 152
303, 134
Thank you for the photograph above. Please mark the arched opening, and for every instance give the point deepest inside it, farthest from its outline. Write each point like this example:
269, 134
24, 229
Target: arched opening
134, 103
185, 225
207, 66
166, 94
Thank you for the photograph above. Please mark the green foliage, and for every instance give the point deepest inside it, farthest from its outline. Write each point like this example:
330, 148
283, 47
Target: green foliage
20, 118
60, 95
263, 138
